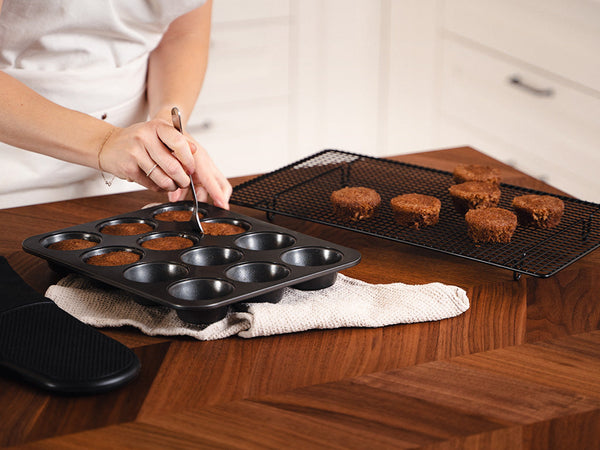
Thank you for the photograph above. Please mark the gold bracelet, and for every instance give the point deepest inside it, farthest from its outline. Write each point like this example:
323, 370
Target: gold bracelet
108, 135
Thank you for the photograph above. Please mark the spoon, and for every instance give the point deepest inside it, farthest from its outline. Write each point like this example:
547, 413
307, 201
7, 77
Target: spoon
176, 117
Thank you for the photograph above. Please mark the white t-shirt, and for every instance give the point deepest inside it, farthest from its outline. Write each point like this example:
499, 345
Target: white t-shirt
90, 56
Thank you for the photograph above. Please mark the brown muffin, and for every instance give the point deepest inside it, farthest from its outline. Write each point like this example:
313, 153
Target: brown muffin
168, 243
116, 258
176, 215
355, 203
475, 172
126, 229
491, 224
72, 244
474, 195
416, 210
541, 211
221, 229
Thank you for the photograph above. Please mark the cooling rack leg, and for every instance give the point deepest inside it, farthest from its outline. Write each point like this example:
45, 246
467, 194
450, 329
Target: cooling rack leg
587, 227
516, 275
345, 175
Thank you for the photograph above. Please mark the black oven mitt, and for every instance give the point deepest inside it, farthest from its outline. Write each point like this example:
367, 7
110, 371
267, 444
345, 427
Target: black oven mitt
53, 350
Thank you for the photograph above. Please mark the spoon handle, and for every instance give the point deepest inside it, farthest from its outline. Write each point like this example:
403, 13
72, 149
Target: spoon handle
176, 118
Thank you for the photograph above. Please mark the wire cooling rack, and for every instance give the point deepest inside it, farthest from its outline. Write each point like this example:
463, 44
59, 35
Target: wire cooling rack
302, 190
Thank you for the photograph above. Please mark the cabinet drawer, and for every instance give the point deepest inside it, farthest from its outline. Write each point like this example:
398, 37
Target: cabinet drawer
559, 130
560, 36
246, 63
244, 139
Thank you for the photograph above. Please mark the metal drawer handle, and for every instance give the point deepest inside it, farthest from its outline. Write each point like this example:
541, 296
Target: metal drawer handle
205, 125
540, 92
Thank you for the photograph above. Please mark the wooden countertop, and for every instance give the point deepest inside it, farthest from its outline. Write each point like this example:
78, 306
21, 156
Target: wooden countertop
519, 369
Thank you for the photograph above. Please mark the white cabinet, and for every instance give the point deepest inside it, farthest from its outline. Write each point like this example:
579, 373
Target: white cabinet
561, 37
520, 80
336, 72
410, 90
364, 75
242, 114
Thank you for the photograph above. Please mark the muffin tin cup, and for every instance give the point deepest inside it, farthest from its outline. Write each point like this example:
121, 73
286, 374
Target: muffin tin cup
102, 251
201, 282
211, 256
154, 272
179, 206
59, 237
103, 225
265, 240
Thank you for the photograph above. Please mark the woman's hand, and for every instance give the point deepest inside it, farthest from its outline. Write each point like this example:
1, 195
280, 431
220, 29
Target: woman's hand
155, 155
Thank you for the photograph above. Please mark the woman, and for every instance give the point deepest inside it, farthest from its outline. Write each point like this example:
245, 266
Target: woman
86, 90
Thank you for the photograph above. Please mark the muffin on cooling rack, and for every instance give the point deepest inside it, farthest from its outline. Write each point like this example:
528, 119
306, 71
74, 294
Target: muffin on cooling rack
475, 172
416, 210
491, 225
541, 211
355, 203
474, 195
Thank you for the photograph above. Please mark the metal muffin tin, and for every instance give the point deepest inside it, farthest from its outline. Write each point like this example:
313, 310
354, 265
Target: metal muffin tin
202, 281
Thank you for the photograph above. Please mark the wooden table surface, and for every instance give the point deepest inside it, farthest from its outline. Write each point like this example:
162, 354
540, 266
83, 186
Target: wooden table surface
519, 369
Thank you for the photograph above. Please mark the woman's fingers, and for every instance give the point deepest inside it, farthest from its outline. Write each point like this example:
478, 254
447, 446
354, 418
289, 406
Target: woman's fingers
209, 180
171, 151
178, 144
201, 193
177, 194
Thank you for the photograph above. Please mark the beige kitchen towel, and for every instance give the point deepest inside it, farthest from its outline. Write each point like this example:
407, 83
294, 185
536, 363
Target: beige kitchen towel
347, 303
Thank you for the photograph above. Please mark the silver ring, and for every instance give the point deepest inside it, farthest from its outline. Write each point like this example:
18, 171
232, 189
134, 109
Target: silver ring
151, 170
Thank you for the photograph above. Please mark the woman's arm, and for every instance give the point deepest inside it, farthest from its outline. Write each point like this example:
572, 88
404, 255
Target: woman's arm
34, 123
175, 75
177, 66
